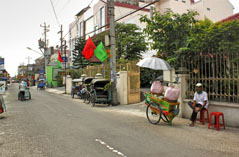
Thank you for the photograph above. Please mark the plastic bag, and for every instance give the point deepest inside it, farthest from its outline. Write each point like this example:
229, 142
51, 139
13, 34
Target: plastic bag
157, 87
172, 93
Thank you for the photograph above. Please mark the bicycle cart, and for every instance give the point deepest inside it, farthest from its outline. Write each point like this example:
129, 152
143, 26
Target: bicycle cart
159, 108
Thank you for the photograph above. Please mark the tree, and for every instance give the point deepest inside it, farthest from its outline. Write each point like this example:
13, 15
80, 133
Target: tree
169, 32
130, 42
208, 37
79, 60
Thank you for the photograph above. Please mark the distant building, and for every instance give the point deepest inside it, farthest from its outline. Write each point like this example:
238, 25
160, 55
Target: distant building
91, 21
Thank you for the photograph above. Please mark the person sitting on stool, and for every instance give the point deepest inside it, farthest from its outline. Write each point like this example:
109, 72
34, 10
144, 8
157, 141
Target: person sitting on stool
200, 102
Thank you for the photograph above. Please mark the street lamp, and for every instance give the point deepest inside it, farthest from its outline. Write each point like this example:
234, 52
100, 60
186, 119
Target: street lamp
41, 53
35, 51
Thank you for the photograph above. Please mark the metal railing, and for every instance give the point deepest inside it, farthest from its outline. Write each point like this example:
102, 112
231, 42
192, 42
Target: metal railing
219, 73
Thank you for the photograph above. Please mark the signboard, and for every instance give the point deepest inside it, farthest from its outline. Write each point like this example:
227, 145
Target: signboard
65, 59
1, 63
2, 87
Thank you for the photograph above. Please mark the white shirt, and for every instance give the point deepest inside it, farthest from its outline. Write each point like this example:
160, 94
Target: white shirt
200, 98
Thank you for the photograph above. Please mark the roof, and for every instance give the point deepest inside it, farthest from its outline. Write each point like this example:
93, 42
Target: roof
77, 80
230, 18
100, 80
82, 11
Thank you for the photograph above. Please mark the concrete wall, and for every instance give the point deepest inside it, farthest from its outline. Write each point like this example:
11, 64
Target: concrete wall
229, 110
133, 19
68, 84
122, 88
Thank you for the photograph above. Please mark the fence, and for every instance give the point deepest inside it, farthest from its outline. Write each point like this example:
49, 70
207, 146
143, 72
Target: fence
105, 69
219, 74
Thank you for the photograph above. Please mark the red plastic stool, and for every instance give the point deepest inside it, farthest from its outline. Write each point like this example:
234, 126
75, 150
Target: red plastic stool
202, 116
216, 124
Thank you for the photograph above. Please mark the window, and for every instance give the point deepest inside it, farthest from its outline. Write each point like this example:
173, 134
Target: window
81, 28
102, 18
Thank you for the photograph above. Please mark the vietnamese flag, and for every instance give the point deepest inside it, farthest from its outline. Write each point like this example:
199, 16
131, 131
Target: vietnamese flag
59, 60
89, 48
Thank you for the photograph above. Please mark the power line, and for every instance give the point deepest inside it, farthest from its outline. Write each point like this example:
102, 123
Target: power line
130, 13
55, 14
74, 23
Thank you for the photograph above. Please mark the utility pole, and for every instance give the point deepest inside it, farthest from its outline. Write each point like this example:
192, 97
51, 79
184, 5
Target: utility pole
61, 48
28, 59
65, 62
45, 27
113, 52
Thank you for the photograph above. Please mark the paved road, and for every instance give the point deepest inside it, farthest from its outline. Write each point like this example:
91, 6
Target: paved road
52, 125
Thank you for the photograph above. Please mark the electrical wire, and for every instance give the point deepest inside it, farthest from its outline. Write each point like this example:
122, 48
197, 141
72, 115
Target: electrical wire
74, 24
130, 13
55, 14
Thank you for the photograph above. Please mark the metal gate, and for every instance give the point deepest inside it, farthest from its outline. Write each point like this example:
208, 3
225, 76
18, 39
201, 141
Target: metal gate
133, 84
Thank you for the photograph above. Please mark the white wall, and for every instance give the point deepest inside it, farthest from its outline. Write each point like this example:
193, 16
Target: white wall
218, 9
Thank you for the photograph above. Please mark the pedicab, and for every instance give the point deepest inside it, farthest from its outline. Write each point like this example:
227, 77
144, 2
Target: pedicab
86, 90
160, 108
41, 84
99, 94
76, 87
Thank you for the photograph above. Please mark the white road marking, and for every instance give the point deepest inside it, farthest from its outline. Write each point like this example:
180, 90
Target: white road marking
110, 148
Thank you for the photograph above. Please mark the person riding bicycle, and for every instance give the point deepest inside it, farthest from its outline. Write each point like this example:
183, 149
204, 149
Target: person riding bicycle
200, 102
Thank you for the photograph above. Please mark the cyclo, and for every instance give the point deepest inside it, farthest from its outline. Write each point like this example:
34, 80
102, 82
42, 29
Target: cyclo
86, 89
159, 107
76, 87
41, 84
99, 92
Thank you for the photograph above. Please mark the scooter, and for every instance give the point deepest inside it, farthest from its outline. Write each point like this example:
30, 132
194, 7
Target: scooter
24, 94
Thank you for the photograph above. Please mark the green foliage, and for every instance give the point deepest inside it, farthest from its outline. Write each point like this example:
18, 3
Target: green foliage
169, 32
79, 60
59, 81
107, 86
130, 42
74, 73
146, 76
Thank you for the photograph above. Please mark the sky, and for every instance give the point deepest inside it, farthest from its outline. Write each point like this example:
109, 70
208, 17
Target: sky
20, 26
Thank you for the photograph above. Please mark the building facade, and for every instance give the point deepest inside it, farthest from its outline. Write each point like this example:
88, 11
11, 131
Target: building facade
215, 10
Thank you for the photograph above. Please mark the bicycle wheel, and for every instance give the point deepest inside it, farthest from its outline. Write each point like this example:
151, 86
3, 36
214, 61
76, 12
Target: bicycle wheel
87, 98
153, 116
92, 99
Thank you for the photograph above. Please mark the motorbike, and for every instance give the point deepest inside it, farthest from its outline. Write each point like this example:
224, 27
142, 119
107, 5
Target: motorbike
24, 94
41, 84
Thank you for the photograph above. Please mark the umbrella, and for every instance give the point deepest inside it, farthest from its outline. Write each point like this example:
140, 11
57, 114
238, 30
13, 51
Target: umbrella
154, 63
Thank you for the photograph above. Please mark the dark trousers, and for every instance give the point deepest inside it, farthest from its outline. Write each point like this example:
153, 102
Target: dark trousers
194, 114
